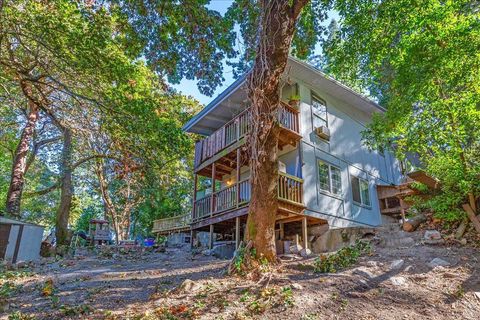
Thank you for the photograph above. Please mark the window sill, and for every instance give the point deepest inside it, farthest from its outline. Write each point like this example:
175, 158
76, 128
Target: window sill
333, 195
362, 205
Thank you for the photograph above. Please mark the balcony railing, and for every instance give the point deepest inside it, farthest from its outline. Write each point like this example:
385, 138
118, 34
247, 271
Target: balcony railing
172, 223
234, 130
239, 194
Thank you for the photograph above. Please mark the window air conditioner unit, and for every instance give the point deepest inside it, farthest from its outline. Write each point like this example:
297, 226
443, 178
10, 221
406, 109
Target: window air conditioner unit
323, 132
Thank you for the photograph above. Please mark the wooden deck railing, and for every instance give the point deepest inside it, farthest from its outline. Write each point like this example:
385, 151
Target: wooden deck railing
234, 130
290, 188
239, 194
172, 223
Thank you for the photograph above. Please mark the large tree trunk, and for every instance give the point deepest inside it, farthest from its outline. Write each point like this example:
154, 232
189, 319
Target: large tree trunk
66, 193
19, 165
277, 27
109, 208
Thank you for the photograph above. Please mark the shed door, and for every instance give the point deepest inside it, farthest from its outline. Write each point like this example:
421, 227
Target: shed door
4, 235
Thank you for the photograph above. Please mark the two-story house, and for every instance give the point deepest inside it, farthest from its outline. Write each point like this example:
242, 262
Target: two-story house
326, 174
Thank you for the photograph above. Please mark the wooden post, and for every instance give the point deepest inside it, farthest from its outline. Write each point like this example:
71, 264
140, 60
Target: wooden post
194, 209
212, 199
210, 239
402, 211
193, 234
238, 176
237, 232
282, 230
305, 233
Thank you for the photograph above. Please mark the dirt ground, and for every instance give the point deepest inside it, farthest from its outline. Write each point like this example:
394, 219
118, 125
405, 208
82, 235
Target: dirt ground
158, 286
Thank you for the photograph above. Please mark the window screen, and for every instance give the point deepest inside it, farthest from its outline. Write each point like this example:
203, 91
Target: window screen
329, 178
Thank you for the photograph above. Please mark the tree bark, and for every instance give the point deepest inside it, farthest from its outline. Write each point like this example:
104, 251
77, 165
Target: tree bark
109, 209
19, 165
412, 224
66, 193
277, 27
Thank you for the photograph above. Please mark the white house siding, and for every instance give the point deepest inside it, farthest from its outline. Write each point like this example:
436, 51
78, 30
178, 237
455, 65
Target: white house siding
345, 151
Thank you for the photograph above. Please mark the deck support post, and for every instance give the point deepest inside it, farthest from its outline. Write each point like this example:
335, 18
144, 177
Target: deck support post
212, 199
305, 232
237, 232
282, 230
195, 180
239, 157
193, 235
210, 238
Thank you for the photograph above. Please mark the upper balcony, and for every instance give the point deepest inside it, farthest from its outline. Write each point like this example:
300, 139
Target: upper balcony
229, 137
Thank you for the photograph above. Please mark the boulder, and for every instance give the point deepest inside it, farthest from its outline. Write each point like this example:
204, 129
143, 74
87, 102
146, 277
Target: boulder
189, 286
305, 253
432, 235
398, 281
437, 262
296, 248
397, 264
296, 286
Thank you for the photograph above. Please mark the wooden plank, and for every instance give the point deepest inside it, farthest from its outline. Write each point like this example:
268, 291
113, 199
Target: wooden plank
222, 217
221, 154
305, 232
237, 232
427, 180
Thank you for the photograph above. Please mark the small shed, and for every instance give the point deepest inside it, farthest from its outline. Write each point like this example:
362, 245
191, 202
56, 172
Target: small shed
19, 241
99, 231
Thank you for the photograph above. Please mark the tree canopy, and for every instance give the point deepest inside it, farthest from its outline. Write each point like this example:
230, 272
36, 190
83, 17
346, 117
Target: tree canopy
421, 61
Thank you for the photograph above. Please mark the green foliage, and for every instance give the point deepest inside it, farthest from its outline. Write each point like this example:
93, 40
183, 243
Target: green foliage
17, 315
420, 60
342, 259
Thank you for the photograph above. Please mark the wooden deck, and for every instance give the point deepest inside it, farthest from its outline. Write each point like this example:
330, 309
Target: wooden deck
180, 223
221, 144
233, 201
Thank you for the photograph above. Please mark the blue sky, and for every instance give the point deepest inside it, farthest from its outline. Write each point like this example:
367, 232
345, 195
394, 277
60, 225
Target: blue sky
189, 87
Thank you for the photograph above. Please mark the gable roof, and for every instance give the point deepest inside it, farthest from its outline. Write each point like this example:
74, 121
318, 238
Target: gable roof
304, 71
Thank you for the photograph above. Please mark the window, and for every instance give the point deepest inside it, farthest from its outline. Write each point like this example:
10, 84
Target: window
329, 178
360, 191
319, 111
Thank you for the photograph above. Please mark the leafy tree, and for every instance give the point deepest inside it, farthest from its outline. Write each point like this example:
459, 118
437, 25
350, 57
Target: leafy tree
267, 29
420, 59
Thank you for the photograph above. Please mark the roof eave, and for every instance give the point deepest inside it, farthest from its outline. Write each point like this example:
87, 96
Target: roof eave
212, 105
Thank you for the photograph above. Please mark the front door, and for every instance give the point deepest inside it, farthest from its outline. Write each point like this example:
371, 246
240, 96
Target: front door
4, 235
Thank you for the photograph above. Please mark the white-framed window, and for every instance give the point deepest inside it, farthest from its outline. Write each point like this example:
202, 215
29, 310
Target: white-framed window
319, 112
329, 178
361, 191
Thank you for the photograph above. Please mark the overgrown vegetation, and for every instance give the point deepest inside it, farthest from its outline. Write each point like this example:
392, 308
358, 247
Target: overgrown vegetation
343, 258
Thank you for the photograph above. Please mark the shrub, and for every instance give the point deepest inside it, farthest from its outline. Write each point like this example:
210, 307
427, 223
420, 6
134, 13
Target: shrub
342, 259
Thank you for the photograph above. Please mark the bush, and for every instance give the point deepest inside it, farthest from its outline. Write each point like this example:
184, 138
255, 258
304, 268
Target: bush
342, 259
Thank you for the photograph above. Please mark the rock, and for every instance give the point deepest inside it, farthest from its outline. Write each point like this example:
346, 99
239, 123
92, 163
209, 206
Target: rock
435, 241
296, 248
296, 286
189, 286
305, 253
207, 252
398, 281
432, 235
463, 241
477, 294
372, 264
437, 262
397, 264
